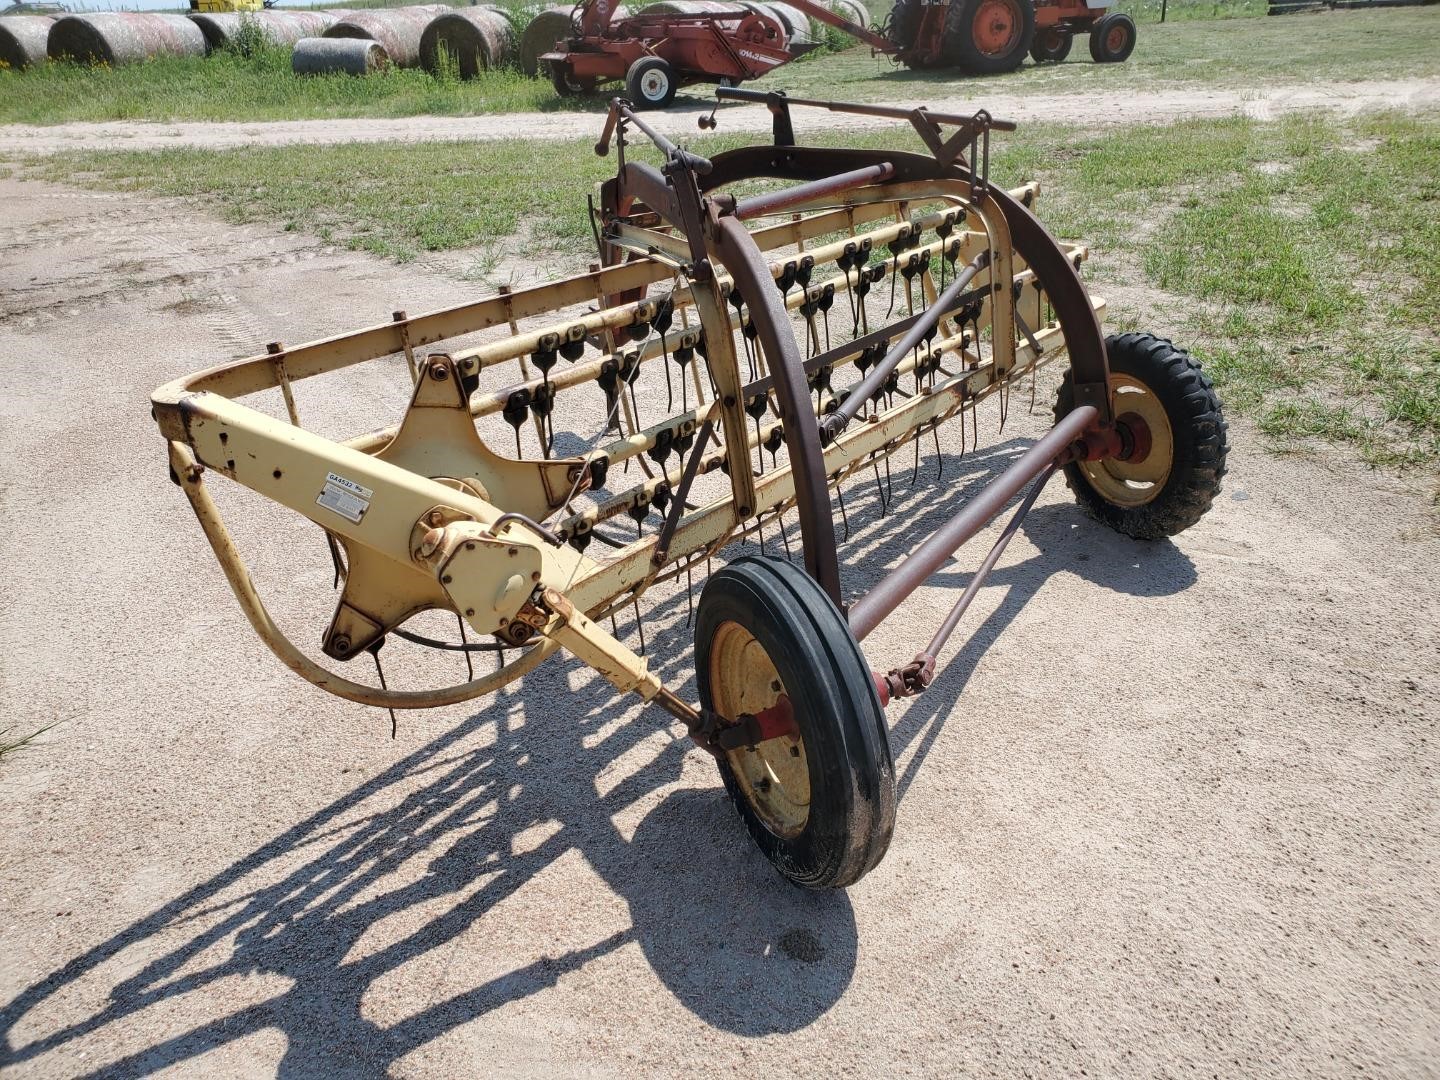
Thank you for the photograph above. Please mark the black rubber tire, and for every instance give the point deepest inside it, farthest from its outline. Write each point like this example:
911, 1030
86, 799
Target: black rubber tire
903, 29
635, 83
565, 86
960, 47
1197, 423
1100, 51
836, 706
1051, 46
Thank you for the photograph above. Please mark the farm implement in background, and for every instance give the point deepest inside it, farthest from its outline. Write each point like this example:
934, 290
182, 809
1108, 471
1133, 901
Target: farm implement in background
659, 50
809, 316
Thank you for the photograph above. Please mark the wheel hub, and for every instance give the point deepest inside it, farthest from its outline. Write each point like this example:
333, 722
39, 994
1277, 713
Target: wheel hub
996, 27
773, 773
1140, 475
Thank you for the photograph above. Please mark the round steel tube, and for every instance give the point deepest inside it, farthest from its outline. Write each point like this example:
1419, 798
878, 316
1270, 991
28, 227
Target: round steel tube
22, 40
880, 602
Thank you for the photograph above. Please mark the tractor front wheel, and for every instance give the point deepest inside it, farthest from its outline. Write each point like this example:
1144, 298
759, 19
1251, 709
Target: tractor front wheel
1169, 417
988, 37
650, 83
806, 759
1051, 46
1112, 38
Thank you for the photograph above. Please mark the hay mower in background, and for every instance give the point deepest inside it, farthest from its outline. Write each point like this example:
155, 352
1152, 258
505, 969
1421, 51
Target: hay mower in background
659, 50
809, 317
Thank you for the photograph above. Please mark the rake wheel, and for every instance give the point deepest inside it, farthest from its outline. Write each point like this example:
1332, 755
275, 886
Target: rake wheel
1166, 405
818, 794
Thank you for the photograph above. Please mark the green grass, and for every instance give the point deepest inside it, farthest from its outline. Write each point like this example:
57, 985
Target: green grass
1300, 259
1193, 49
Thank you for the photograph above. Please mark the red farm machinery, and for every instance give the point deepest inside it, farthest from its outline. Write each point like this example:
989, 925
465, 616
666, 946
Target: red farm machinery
669, 45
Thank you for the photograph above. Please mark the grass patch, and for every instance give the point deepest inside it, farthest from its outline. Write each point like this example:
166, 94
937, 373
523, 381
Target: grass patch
1200, 45
1300, 259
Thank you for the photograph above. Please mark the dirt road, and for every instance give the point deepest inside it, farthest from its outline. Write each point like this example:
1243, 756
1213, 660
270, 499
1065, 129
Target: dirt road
1174, 811
1090, 108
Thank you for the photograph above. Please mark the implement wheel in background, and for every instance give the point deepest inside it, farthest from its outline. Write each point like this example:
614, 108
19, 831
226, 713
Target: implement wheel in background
988, 37
1051, 46
1168, 410
650, 83
566, 84
816, 789
1112, 38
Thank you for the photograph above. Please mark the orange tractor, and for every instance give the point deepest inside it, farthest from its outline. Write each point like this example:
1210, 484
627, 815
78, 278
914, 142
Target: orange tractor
655, 52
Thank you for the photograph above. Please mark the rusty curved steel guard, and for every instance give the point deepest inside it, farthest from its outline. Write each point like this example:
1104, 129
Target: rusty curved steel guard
751, 274
1079, 325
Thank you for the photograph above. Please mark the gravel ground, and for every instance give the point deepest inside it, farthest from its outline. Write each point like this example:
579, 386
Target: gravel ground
1118, 107
1173, 812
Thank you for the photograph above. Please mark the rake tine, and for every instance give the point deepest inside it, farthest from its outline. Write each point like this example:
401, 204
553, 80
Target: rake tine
374, 651
889, 484
689, 595
916, 470
334, 558
784, 536
939, 459
840, 494
639, 624
469, 663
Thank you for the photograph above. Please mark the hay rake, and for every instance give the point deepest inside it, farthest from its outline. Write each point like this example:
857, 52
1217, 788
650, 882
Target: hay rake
806, 314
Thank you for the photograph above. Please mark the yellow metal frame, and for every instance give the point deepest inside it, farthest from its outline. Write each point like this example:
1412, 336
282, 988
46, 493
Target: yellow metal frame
427, 513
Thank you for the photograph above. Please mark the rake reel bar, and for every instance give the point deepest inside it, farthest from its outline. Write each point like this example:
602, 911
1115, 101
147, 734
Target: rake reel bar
919, 292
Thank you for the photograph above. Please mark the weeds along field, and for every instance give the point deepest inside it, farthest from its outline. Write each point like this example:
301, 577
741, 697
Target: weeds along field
1201, 45
1299, 258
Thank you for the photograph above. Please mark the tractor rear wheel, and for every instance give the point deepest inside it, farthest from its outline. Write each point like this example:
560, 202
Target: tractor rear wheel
1168, 412
1051, 46
1112, 38
988, 37
650, 83
812, 777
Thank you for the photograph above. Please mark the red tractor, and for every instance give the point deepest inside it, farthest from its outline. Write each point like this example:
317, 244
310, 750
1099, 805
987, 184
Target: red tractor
657, 52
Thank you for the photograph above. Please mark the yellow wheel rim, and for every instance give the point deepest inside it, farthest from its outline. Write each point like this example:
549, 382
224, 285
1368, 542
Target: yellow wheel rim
774, 776
1135, 483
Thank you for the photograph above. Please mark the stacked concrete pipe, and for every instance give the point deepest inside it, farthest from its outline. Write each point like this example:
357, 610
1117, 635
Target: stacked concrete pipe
398, 29
22, 40
279, 27
123, 37
479, 38
338, 56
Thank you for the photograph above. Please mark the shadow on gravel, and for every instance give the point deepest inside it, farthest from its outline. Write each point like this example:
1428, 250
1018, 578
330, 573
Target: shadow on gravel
435, 843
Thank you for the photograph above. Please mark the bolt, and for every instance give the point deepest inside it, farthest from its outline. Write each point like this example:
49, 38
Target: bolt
341, 643
514, 552
504, 621
445, 580
469, 545
429, 542
436, 517
469, 612
534, 575
439, 372
775, 685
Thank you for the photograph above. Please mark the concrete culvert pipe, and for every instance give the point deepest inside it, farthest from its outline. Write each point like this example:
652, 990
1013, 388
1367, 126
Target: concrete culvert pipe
398, 29
123, 37
479, 38
338, 56
279, 27
22, 40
